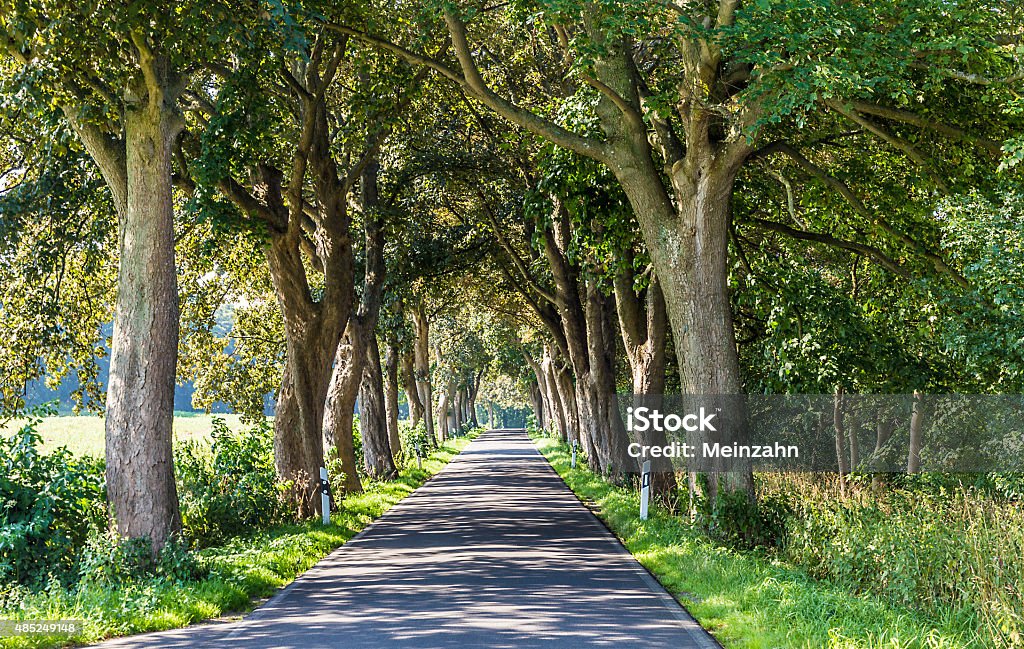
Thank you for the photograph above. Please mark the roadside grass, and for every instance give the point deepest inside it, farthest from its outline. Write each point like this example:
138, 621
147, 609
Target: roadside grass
83, 434
748, 600
236, 575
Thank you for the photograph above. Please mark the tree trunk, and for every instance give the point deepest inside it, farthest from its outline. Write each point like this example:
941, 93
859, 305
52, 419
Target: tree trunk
422, 367
538, 404
689, 249
144, 347
567, 396
916, 426
611, 439
551, 385
342, 392
840, 437
851, 434
459, 410
883, 433
644, 328
377, 456
411, 390
391, 399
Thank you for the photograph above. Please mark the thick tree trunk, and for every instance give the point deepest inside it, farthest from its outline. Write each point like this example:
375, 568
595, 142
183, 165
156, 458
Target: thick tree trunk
689, 249
391, 399
611, 441
644, 328
342, 392
298, 444
144, 348
312, 332
377, 454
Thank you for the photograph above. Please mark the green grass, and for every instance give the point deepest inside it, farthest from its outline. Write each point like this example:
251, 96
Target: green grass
748, 600
240, 573
83, 435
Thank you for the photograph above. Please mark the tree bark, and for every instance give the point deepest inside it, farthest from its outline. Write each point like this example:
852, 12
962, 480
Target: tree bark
391, 362
644, 328
351, 353
916, 426
411, 390
144, 347
551, 386
377, 453
422, 366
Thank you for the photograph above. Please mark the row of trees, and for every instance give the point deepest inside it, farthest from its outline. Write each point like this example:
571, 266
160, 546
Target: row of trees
622, 196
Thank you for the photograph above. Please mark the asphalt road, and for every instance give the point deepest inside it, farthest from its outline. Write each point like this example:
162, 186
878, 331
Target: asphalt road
495, 551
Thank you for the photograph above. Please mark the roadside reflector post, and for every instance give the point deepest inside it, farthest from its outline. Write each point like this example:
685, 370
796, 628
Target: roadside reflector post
325, 496
574, 442
419, 458
645, 489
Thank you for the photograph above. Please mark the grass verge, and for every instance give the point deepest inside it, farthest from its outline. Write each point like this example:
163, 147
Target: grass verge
237, 575
749, 600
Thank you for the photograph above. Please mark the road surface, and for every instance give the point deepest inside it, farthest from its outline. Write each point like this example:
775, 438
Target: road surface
494, 551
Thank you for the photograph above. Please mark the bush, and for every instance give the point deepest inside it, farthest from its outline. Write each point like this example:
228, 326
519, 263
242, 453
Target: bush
229, 487
49, 507
111, 561
736, 522
413, 437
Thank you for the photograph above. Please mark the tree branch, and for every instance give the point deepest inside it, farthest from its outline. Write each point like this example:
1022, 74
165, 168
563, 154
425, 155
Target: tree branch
860, 208
867, 251
908, 117
907, 148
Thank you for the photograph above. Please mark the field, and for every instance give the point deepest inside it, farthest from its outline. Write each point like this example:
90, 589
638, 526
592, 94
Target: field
83, 435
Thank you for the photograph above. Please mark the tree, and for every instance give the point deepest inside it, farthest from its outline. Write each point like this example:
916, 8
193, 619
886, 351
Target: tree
686, 94
116, 77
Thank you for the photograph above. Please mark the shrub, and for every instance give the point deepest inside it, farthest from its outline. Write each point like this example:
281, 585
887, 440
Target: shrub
49, 506
738, 523
229, 487
109, 560
413, 436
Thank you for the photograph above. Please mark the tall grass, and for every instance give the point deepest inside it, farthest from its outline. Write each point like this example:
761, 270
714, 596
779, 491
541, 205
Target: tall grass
938, 569
937, 549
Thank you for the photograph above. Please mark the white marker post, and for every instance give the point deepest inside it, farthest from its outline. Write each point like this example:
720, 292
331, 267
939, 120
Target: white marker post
325, 496
574, 442
645, 489
419, 458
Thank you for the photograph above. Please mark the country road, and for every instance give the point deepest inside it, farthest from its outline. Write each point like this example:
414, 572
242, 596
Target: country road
495, 551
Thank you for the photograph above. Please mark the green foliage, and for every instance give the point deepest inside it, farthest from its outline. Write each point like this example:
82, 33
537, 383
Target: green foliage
51, 505
734, 521
230, 487
413, 438
56, 265
110, 561
754, 600
135, 594
932, 544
